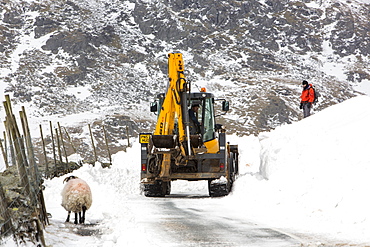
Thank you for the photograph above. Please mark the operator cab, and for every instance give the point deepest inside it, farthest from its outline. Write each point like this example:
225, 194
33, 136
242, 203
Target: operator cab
205, 115
203, 129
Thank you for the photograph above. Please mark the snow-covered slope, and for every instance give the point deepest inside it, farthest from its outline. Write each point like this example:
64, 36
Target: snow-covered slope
309, 178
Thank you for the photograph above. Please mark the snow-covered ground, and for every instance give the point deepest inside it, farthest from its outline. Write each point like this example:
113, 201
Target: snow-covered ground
308, 177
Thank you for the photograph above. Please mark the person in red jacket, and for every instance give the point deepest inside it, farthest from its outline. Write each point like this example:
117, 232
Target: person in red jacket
307, 98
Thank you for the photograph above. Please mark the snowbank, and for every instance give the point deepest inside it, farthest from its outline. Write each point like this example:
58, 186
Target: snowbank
314, 174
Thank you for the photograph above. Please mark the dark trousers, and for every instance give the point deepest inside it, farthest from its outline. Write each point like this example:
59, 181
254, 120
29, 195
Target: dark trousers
306, 109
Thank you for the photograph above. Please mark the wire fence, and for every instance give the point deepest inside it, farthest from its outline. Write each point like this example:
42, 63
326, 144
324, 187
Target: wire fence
22, 207
23, 214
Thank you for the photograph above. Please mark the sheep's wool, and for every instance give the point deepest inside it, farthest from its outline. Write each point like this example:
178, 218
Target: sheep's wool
75, 195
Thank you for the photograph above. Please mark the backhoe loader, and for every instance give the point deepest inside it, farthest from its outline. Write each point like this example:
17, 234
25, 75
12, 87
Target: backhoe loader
186, 145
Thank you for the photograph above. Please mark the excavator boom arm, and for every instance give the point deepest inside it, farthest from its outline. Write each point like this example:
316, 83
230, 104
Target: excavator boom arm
174, 107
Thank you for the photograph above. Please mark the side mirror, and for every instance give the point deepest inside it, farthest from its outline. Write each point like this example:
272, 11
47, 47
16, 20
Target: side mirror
153, 107
225, 105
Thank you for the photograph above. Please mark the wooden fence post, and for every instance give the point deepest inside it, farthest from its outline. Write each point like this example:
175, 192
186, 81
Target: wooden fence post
64, 148
106, 143
128, 136
5, 154
45, 155
53, 143
93, 145
29, 147
6, 147
11, 147
58, 146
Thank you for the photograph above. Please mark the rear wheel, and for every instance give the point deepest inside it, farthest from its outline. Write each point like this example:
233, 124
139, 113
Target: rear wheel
158, 189
218, 187
222, 187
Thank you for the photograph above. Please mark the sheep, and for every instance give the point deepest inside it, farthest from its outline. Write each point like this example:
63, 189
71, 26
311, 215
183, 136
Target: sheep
76, 197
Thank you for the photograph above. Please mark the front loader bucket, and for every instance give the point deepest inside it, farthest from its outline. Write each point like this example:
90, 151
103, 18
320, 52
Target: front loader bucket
163, 141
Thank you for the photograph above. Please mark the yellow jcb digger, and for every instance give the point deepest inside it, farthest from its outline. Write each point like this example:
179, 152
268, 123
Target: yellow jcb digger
187, 143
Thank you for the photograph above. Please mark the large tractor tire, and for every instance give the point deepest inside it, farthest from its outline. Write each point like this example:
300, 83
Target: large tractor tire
158, 189
218, 187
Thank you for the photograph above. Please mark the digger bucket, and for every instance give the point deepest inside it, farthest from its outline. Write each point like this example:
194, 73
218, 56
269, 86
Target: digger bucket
163, 141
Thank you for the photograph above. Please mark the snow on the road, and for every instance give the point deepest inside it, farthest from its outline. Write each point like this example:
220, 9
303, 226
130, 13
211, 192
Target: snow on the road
308, 177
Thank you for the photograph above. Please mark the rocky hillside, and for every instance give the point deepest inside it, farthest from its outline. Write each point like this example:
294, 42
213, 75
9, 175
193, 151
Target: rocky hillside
71, 56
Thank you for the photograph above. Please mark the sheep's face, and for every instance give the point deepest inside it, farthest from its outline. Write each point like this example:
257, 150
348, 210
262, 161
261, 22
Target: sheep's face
69, 178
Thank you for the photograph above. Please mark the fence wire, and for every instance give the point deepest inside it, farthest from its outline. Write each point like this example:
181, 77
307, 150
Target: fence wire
23, 213
22, 209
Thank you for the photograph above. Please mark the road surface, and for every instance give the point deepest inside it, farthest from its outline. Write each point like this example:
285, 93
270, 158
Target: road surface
180, 219
198, 220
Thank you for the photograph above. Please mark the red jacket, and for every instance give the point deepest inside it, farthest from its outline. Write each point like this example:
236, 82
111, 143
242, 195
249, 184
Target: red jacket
308, 94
